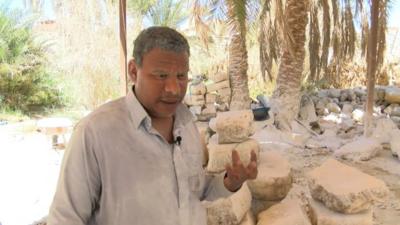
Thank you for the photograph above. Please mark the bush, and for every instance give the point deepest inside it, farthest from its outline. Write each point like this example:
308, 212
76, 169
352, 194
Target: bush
25, 84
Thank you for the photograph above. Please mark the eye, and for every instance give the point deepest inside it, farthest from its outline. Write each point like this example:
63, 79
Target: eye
182, 76
161, 76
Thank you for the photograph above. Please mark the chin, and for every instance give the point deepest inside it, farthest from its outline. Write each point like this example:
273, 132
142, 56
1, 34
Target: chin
163, 113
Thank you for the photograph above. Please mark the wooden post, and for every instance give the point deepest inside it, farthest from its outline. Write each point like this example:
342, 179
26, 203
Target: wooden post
371, 67
123, 55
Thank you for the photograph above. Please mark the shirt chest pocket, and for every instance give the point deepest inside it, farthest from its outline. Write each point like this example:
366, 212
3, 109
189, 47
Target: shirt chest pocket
195, 173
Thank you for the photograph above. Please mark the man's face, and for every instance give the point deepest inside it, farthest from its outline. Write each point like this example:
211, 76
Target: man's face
161, 81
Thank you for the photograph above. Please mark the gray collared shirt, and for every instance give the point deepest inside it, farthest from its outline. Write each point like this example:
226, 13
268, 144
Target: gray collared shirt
118, 170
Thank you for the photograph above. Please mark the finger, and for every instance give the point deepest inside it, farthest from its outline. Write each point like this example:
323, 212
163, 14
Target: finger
252, 170
236, 159
253, 156
229, 171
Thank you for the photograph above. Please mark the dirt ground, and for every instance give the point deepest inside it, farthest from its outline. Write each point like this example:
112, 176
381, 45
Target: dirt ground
29, 168
384, 166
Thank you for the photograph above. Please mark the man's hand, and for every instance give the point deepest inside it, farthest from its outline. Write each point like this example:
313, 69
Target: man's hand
237, 173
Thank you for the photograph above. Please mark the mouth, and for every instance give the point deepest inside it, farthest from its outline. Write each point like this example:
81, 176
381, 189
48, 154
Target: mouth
170, 102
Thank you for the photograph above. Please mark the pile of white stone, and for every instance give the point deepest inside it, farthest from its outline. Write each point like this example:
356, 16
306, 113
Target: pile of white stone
205, 101
336, 194
338, 116
350, 102
232, 131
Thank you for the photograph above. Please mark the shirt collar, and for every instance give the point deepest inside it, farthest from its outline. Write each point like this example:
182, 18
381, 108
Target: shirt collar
139, 116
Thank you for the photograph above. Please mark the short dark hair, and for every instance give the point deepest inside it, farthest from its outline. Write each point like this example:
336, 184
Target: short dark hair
159, 37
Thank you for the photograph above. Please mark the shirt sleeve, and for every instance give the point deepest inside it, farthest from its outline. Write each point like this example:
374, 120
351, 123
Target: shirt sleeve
79, 183
215, 188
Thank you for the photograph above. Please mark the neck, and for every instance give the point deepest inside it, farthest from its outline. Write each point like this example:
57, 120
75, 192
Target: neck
164, 126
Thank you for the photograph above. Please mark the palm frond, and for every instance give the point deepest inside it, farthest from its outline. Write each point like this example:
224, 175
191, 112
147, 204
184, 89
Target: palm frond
364, 27
326, 35
382, 28
314, 41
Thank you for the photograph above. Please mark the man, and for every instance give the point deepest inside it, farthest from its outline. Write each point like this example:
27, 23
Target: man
138, 159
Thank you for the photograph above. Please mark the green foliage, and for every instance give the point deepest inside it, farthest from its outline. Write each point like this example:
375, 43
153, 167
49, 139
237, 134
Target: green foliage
140, 6
168, 13
25, 85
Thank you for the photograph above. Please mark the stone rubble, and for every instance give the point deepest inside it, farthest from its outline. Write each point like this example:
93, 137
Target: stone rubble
346, 190
331, 125
204, 101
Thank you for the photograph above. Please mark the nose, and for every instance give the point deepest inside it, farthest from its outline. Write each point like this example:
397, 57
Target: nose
172, 85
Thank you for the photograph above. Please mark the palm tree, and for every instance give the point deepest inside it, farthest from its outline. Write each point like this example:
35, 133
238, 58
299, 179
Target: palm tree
25, 83
286, 97
234, 12
371, 64
237, 61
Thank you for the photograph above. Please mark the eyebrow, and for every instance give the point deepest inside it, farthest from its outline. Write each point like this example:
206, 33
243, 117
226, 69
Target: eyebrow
166, 72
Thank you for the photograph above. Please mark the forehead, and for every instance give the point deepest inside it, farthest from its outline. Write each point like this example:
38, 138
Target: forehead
159, 57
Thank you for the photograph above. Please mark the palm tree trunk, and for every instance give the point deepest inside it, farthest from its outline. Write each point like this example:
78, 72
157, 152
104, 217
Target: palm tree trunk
237, 66
123, 50
371, 67
286, 97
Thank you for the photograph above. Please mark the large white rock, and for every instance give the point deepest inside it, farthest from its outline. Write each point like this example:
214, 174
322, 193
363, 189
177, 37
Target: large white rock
213, 124
194, 100
347, 108
231, 210
383, 128
234, 126
258, 206
393, 110
395, 142
195, 110
221, 154
211, 98
218, 77
307, 110
209, 110
358, 115
274, 178
396, 119
320, 107
392, 95
217, 86
287, 212
223, 99
320, 215
362, 148
197, 89
334, 93
248, 219
345, 189
333, 107
324, 93
222, 107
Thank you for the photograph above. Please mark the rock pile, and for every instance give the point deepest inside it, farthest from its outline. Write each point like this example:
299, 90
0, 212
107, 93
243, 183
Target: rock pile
233, 130
205, 101
338, 116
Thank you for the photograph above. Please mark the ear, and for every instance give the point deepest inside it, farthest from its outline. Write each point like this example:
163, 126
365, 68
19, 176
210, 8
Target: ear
132, 70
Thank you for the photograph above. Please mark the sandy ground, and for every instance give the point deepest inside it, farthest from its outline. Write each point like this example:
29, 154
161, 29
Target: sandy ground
29, 169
